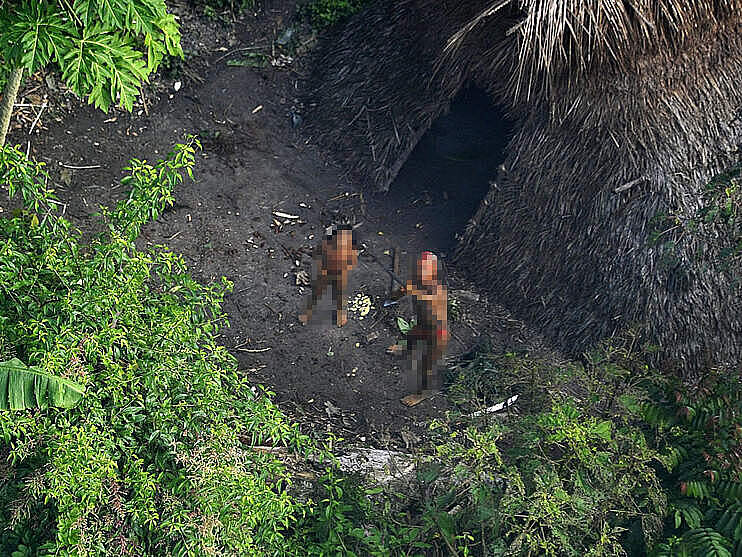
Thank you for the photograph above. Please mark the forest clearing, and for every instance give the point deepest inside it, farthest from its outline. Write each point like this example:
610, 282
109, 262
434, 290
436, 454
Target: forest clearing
169, 170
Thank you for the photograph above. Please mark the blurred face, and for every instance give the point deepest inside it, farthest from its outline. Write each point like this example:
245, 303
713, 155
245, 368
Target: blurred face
345, 240
427, 269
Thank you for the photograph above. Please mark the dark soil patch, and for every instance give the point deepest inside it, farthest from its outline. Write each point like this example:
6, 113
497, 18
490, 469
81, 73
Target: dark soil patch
255, 163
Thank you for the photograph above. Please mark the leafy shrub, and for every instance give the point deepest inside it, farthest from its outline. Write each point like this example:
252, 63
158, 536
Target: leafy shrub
324, 13
699, 434
718, 223
722, 210
598, 436
565, 479
105, 50
156, 458
344, 518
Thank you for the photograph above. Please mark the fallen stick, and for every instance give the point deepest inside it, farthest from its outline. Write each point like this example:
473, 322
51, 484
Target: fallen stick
395, 268
496, 408
282, 215
36, 121
72, 167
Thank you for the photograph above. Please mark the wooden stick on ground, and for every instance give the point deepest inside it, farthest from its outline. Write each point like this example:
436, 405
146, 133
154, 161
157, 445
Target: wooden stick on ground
395, 268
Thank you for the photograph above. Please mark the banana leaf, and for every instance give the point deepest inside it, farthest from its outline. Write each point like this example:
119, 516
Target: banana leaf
24, 387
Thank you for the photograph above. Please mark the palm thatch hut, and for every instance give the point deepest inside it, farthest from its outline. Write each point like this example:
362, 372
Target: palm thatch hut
624, 110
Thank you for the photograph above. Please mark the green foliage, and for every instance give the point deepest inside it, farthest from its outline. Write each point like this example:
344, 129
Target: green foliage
556, 482
324, 13
104, 49
482, 377
606, 458
699, 434
22, 387
156, 457
454, 309
475, 379
213, 8
718, 222
342, 519
404, 326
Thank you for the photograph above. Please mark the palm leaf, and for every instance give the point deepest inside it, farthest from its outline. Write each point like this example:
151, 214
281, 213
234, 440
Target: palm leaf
730, 523
34, 35
707, 542
104, 66
24, 387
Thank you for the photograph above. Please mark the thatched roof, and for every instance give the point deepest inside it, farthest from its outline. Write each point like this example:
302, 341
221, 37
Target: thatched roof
381, 79
371, 96
565, 231
560, 44
625, 110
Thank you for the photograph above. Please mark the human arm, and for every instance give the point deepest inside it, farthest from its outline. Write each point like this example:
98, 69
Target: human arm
352, 259
402, 291
319, 259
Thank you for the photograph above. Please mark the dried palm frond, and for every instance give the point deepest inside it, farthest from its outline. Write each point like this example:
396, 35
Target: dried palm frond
558, 41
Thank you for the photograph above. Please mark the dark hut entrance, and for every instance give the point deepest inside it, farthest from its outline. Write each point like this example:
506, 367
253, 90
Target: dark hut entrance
447, 175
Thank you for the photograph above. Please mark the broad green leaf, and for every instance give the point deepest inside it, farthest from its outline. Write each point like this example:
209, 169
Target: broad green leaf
141, 16
427, 473
24, 387
104, 48
110, 13
170, 34
86, 11
603, 430
104, 66
404, 326
34, 34
630, 403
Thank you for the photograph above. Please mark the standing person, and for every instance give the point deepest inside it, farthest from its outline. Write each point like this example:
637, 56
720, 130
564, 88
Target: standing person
333, 259
431, 330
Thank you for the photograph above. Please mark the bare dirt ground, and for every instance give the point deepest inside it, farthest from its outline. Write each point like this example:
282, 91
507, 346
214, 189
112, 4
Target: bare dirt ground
254, 163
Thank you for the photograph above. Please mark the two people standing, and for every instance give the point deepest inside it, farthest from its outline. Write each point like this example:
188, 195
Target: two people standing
336, 256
